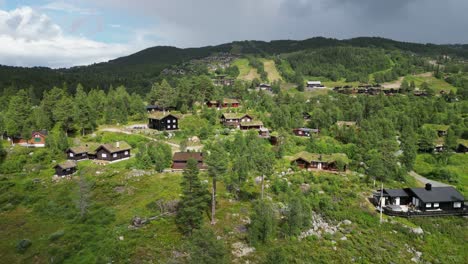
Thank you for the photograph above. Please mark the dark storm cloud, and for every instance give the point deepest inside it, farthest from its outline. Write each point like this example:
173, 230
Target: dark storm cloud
375, 8
204, 22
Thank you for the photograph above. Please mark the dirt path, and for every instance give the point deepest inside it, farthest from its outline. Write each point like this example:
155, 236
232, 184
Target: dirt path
425, 180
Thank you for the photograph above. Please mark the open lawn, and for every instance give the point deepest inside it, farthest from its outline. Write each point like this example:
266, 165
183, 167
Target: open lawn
456, 165
247, 73
437, 84
270, 69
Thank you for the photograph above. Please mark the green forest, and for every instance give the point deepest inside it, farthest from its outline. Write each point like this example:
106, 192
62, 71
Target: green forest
251, 203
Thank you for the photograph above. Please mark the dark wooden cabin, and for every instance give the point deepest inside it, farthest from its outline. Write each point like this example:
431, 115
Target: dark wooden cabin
311, 161
163, 121
180, 159
84, 152
113, 151
462, 146
416, 200
235, 119
66, 168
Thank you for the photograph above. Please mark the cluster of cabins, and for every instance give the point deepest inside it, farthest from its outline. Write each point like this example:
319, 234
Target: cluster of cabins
427, 201
102, 154
244, 122
369, 89
118, 151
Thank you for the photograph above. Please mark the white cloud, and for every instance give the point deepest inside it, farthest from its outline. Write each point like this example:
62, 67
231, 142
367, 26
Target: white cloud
29, 38
68, 7
115, 26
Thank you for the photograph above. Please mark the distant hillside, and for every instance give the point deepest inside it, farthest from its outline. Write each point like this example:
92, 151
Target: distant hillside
139, 70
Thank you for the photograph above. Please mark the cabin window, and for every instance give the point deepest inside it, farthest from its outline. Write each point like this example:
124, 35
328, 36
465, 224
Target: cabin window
436, 205
37, 139
168, 126
428, 205
71, 155
457, 205
174, 126
169, 121
114, 155
104, 155
126, 153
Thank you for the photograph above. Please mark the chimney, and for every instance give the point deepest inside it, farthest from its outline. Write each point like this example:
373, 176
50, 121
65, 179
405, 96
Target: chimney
117, 144
428, 186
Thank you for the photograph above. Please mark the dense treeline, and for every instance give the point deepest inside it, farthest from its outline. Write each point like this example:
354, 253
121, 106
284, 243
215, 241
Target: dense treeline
81, 112
341, 62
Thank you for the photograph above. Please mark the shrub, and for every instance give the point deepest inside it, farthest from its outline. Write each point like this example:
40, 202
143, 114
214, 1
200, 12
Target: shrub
56, 235
23, 245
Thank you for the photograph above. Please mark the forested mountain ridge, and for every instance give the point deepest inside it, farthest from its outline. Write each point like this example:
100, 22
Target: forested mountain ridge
138, 71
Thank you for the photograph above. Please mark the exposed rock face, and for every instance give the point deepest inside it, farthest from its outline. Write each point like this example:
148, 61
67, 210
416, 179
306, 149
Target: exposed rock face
417, 230
240, 249
319, 227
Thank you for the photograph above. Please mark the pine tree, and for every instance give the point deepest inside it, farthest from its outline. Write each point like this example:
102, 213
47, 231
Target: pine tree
217, 166
82, 111
162, 94
205, 248
194, 200
262, 223
57, 140
17, 121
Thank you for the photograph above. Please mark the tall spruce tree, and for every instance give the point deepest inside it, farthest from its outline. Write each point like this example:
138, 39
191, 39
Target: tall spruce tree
17, 121
194, 200
217, 162
262, 223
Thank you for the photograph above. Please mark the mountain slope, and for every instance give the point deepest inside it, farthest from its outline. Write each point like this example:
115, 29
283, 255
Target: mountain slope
139, 70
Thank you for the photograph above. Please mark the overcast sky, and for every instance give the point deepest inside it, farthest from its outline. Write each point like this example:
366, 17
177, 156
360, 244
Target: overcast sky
67, 33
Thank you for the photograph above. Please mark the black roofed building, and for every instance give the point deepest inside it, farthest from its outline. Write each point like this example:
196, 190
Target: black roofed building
180, 159
113, 151
427, 201
65, 168
163, 121
433, 198
81, 152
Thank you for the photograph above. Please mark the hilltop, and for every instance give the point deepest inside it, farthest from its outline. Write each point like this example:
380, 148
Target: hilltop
138, 71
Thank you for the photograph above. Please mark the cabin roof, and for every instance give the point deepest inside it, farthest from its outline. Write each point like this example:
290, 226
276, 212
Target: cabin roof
79, 149
230, 101
252, 123
463, 142
396, 192
42, 132
235, 115
88, 148
438, 194
185, 156
112, 147
159, 116
66, 165
314, 157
